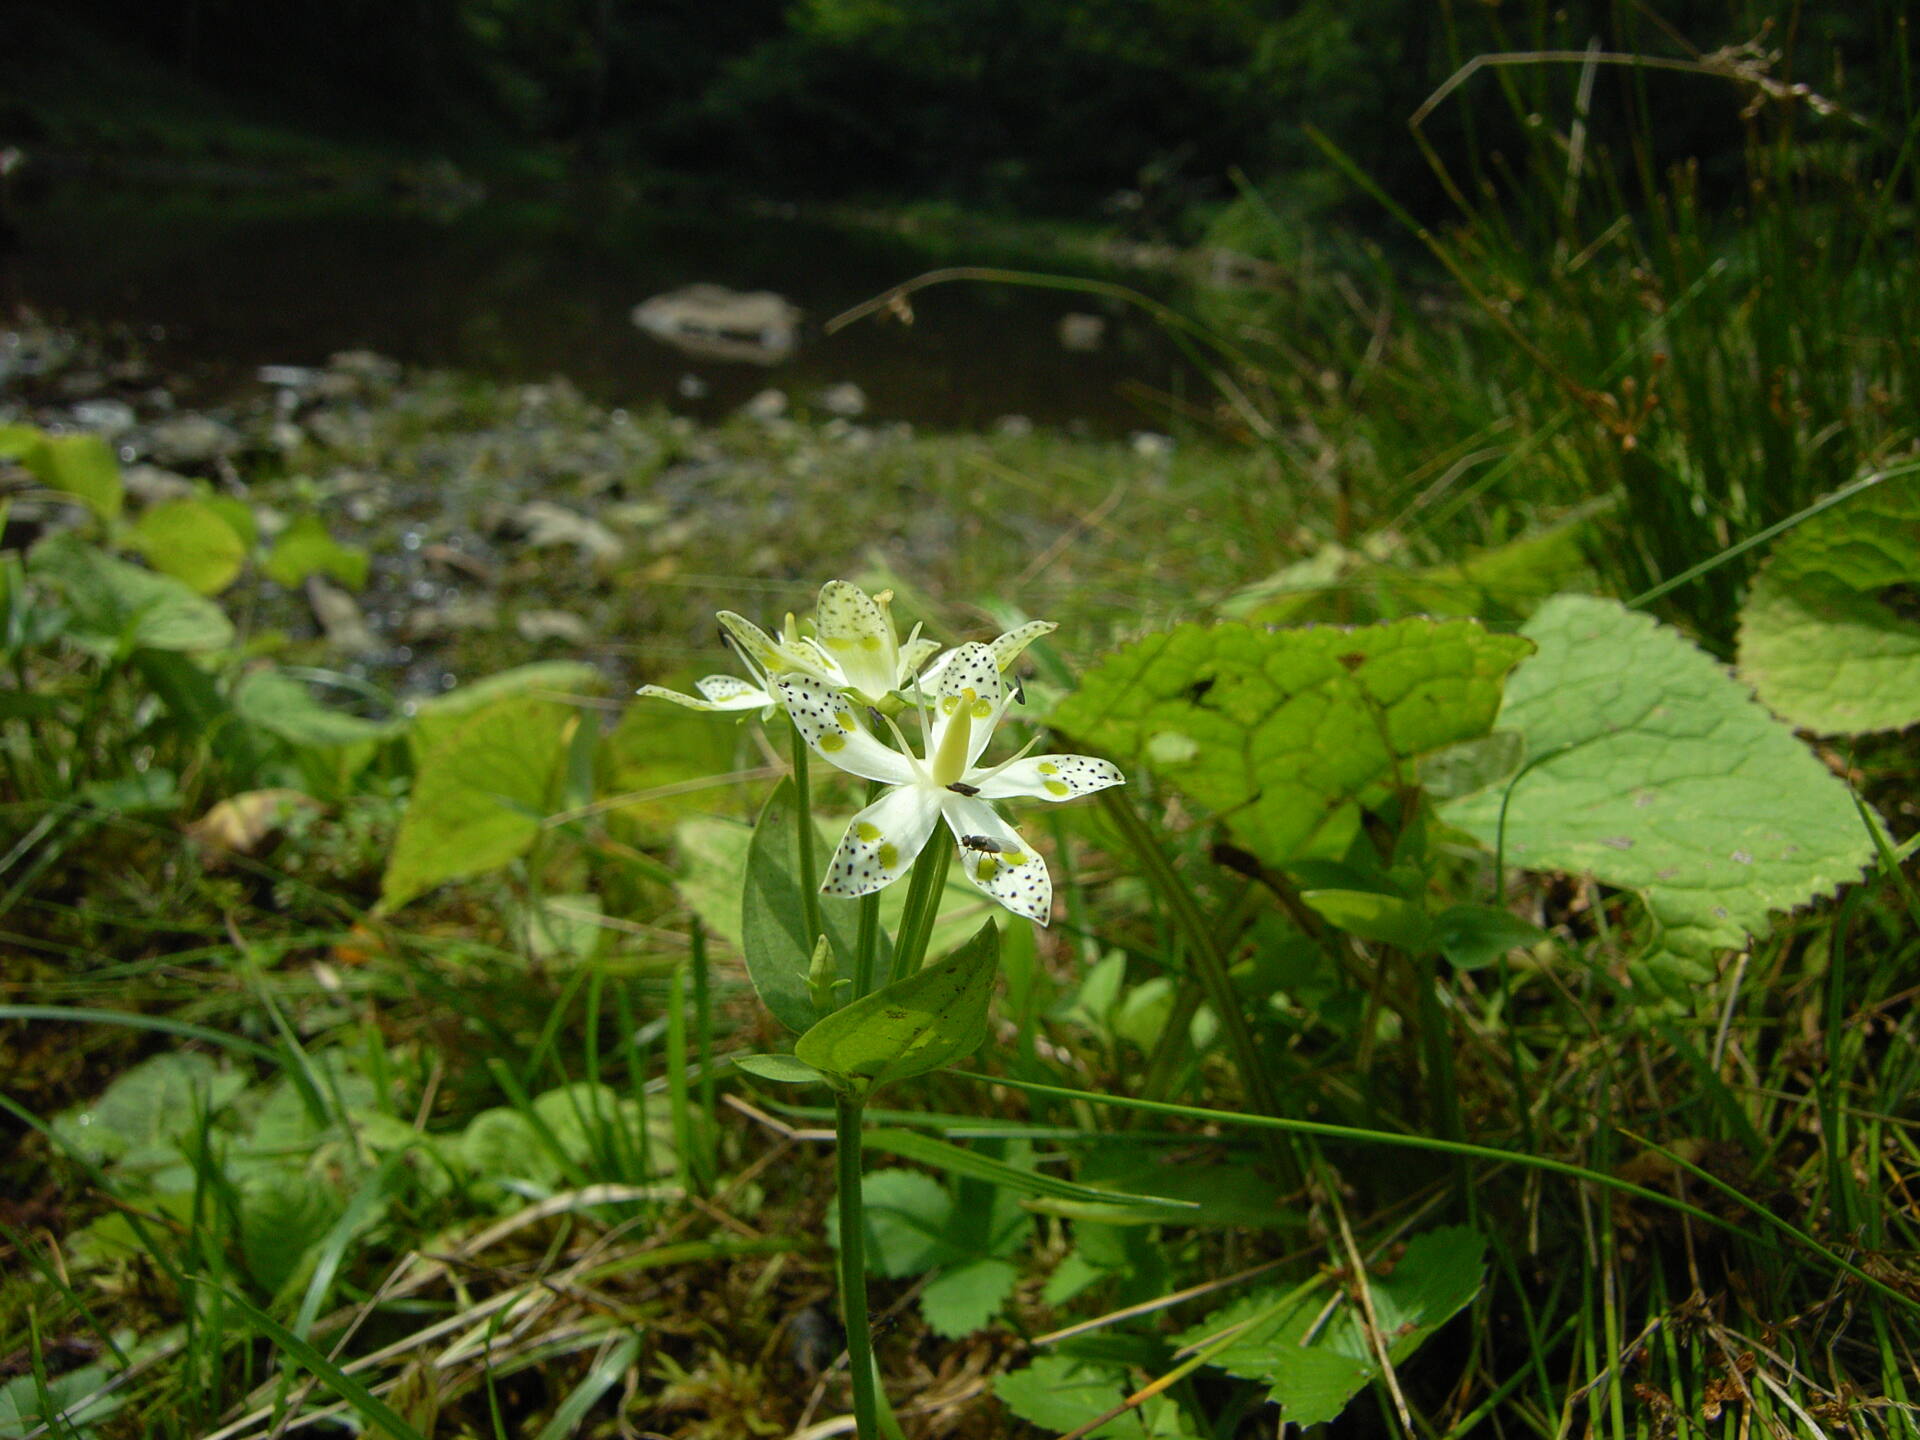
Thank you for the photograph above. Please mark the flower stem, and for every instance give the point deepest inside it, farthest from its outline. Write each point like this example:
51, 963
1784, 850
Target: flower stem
803, 839
924, 889
853, 1268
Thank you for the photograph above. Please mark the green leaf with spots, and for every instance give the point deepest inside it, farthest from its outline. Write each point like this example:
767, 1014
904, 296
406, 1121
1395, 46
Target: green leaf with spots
1830, 633
912, 1026
1288, 734
1655, 771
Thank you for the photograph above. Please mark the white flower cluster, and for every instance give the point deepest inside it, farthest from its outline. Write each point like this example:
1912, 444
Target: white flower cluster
854, 662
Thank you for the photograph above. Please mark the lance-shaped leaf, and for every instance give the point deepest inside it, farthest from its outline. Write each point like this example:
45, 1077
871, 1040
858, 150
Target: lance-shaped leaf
1830, 634
773, 926
1289, 733
927, 1020
1655, 771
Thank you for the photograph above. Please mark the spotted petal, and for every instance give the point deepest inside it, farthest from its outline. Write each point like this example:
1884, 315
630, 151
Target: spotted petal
1008, 647
857, 633
771, 657
1049, 777
882, 842
913, 654
826, 721
970, 668
717, 692
998, 859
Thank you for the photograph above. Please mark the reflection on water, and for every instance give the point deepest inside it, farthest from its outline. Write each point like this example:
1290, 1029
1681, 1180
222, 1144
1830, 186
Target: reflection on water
527, 290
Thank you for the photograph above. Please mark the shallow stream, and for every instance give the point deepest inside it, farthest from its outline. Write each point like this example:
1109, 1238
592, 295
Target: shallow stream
220, 283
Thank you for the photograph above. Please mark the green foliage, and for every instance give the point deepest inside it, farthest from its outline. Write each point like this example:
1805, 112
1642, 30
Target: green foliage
306, 548
1829, 636
1653, 770
79, 1397
773, 925
194, 542
912, 1026
971, 1234
83, 466
116, 608
1287, 735
481, 797
1315, 1365
1060, 1393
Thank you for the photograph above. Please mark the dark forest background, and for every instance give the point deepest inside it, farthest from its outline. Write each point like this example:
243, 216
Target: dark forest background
1039, 107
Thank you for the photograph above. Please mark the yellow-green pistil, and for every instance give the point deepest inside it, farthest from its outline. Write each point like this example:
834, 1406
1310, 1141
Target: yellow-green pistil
950, 761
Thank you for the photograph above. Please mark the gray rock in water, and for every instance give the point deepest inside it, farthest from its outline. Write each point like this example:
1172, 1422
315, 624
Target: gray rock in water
1082, 333
150, 485
547, 525
847, 400
340, 618
767, 405
105, 417
536, 626
715, 323
191, 440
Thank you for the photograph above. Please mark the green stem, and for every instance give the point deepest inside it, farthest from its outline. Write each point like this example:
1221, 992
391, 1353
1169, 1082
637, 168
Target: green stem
803, 839
703, 1040
924, 888
1203, 944
853, 1269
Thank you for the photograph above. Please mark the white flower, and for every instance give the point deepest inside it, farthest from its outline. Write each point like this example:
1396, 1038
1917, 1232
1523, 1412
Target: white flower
717, 692
965, 700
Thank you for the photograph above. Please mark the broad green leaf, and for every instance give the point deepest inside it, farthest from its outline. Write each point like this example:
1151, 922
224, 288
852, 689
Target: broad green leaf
1314, 1372
191, 541
546, 680
1287, 734
283, 706
658, 747
1058, 1393
1657, 772
1372, 916
773, 928
148, 1109
502, 1144
117, 605
779, 1069
80, 1396
284, 1214
1475, 935
713, 861
963, 1298
305, 548
907, 1214
480, 797
912, 1026
83, 466
1830, 635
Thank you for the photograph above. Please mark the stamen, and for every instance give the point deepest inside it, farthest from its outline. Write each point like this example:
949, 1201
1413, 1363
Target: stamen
983, 776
